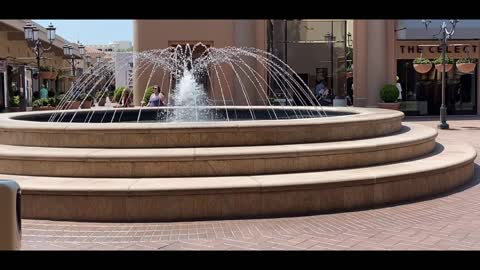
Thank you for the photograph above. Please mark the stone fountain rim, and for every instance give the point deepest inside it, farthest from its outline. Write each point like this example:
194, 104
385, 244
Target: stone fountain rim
359, 114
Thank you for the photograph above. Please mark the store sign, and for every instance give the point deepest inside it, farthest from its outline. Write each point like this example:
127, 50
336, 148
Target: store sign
3, 65
431, 50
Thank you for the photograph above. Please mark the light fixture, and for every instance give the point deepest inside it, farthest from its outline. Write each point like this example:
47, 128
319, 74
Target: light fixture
349, 39
35, 33
66, 51
28, 30
81, 49
51, 33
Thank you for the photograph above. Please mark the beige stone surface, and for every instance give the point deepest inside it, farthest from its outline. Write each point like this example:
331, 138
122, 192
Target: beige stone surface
411, 142
367, 122
450, 165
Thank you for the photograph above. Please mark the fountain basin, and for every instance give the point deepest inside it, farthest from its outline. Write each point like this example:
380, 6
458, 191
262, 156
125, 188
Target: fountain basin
30, 129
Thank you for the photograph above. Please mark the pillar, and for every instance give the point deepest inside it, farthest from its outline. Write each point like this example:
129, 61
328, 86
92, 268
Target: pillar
374, 59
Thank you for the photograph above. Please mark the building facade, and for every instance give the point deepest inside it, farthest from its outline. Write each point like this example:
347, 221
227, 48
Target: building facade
381, 51
19, 73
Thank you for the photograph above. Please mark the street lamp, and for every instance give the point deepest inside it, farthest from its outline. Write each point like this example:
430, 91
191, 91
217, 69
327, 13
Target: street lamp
330, 38
69, 54
445, 35
31, 36
88, 60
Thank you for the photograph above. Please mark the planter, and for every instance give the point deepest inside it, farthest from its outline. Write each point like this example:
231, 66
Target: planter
48, 75
44, 108
439, 67
73, 105
102, 101
87, 104
422, 68
390, 106
466, 67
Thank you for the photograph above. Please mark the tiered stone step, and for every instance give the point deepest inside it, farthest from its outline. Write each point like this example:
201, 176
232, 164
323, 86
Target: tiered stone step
185, 198
410, 142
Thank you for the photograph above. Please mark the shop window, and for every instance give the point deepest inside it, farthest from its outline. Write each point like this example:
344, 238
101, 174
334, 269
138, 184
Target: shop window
422, 93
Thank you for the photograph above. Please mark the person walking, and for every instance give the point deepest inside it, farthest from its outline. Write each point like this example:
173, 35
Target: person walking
44, 92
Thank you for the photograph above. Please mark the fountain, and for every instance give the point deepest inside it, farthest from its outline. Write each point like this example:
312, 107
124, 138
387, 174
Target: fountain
220, 148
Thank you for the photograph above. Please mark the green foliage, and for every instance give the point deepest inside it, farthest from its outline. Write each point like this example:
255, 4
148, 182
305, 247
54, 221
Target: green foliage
89, 98
117, 94
15, 101
148, 93
466, 60
421, 60
80, 97
40, 102
52, 102
389, 93
36, 103
448, 60
59, 98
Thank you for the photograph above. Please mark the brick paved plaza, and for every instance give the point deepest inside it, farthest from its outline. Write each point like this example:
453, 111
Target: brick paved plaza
448, 222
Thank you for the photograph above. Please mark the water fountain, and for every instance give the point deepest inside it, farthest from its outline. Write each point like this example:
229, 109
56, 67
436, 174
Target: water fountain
220, 148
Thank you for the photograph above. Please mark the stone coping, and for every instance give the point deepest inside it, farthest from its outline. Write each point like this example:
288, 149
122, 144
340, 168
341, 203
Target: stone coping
364, 123
446, 157
410, 134
360, 115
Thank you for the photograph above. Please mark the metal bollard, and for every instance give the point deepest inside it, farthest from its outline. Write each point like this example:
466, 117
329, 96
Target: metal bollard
10, 215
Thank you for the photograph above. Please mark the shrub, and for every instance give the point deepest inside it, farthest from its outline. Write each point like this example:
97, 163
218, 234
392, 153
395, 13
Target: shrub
448, 60
59, 98
40, 102
389, 93
51, 93
89, 98
148, 93
52, 102
466, 60
37, 103
421, 60
117, 94
15, 101
100, 94
80, 97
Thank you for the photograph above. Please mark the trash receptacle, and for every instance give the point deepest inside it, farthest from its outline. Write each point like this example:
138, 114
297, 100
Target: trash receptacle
10, 215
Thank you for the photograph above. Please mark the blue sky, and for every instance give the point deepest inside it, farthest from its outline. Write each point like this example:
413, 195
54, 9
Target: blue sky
92, 31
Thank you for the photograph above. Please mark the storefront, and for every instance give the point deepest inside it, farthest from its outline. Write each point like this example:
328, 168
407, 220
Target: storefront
315, 49
422, 91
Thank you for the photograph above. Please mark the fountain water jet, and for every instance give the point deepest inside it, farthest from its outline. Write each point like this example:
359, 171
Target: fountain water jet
225, 70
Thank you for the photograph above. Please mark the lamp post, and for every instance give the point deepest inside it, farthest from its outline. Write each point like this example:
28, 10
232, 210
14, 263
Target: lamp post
68, 54
445, 35
330, 38
88, 60
31, 35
